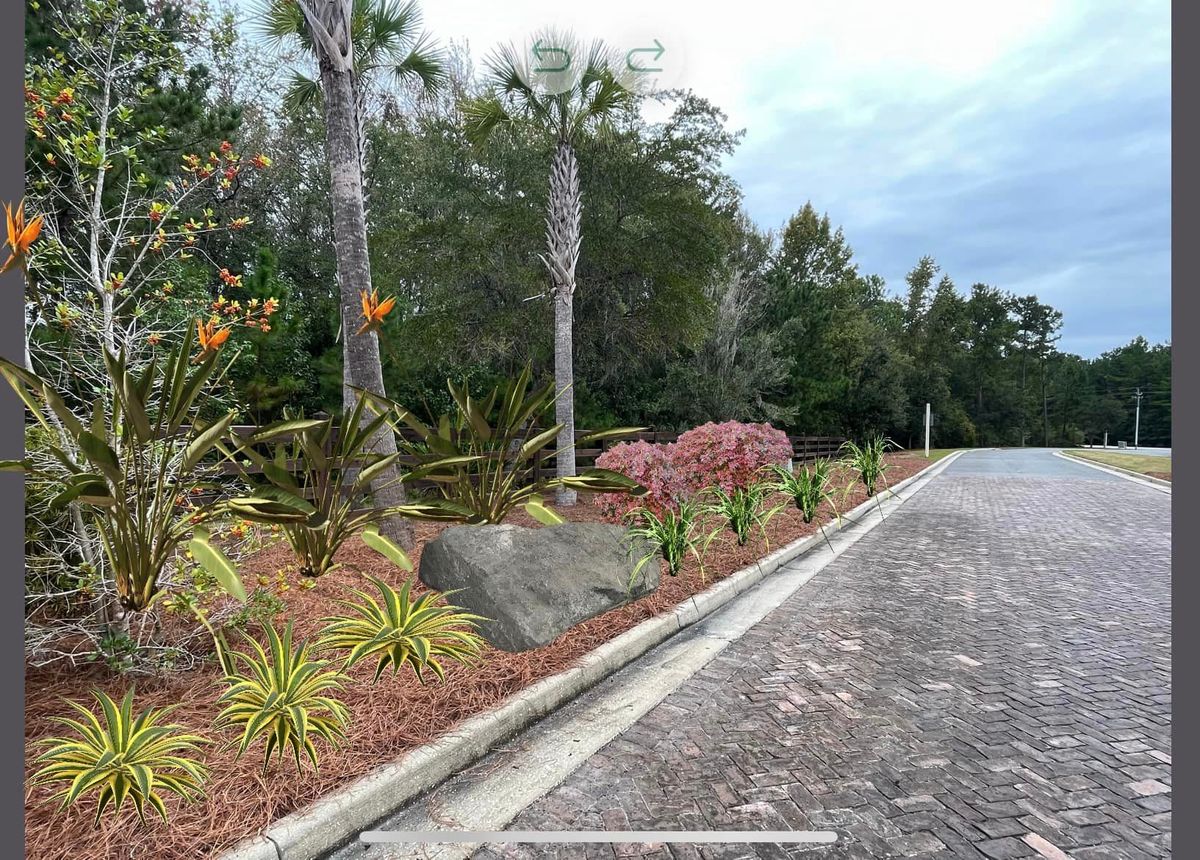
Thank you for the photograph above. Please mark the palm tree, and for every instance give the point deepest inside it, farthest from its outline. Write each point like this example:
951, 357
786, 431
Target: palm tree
387, 43
329, 29
564, 99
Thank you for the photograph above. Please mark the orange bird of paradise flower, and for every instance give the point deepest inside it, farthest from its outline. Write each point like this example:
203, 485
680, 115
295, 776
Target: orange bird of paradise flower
210, 338
20, 235
374, 310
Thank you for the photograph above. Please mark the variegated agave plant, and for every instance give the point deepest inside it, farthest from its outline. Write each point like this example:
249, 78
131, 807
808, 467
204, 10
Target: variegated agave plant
399, 630
283, 695
122, 757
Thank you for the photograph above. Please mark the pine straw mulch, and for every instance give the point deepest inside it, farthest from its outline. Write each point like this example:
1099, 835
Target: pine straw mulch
388, 718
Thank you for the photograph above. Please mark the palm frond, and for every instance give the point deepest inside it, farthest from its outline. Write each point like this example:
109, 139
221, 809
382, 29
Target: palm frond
424, 63
281, 21
302, 91
483, 116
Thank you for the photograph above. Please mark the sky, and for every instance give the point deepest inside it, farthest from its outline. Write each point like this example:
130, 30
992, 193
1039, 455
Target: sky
1022, 144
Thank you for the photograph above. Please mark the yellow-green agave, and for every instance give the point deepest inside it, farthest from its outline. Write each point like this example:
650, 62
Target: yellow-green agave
123, 757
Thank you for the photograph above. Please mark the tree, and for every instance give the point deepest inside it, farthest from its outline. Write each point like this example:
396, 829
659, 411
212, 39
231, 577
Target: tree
564, 110
329, 29
387, 43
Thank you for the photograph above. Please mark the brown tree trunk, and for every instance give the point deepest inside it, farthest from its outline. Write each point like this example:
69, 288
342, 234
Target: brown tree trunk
562, 245
360, 353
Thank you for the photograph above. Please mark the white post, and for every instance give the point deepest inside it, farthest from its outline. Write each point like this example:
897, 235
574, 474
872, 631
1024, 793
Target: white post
926, 431
1137, 418
1105, 438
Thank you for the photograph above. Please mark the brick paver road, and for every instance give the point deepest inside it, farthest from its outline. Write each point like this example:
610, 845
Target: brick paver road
987, 674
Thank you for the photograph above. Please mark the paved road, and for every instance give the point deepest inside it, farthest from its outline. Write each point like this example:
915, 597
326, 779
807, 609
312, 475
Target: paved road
986, 674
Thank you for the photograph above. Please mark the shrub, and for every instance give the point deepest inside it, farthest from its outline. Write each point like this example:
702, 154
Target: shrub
483, 453
728, 455
650, 466
136, 465
122, 758
324, 498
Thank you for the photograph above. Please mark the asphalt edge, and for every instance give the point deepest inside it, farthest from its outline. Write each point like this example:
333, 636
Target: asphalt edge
334, 819
1127, 474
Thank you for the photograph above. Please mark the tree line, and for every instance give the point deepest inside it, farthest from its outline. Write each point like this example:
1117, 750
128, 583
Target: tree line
686, 310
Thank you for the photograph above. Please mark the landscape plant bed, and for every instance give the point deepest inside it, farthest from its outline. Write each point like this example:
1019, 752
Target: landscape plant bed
388, 718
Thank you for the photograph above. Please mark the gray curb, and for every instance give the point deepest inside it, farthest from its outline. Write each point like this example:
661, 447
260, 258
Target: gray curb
1128, 474
329, 822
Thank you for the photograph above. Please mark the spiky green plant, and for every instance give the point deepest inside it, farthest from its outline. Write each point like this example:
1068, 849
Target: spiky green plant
743, 510
399, 630
671, 536
808, 487
867, 460
284, 697
484, 455
319, 475
126, 465
122, 757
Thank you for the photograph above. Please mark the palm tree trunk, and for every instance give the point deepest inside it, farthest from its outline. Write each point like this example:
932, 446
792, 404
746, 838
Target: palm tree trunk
562, 245
361, 367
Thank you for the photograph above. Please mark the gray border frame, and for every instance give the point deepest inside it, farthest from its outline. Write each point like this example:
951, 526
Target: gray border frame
12, 446
1185, 358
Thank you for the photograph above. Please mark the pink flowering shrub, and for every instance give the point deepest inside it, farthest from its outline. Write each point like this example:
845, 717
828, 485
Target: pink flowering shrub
724, 455
651, 467
727, 455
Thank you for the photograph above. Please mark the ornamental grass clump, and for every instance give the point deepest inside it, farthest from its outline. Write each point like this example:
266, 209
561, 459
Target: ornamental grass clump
122, 757
867, 460
808, 486
743, 510
671, 535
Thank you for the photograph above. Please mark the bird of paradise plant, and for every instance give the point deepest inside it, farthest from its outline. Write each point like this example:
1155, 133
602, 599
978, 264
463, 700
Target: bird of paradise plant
210, 338
21, 235
374, 310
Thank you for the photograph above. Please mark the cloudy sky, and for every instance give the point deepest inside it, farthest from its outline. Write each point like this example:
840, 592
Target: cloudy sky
1022, 144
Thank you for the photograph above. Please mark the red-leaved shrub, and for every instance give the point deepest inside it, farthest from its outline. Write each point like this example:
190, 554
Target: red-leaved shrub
727, 455
651, 467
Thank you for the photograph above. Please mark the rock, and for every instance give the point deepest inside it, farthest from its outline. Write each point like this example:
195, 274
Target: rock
536, 583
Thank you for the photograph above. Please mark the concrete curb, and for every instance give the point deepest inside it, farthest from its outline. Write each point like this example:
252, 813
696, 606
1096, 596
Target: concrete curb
1127, 474
334, 819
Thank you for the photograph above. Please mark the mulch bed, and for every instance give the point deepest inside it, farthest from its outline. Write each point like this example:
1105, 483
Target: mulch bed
388, 718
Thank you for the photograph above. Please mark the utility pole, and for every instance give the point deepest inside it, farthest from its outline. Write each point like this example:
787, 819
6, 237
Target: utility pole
926, 431
1137, 416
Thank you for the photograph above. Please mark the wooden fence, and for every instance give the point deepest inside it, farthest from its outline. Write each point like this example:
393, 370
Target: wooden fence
804, 449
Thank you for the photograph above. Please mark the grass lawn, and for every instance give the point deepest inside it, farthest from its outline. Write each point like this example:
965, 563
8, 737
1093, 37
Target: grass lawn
935, 454
1145, 464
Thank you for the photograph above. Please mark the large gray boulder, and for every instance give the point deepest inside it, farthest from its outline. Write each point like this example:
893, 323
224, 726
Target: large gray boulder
536, 583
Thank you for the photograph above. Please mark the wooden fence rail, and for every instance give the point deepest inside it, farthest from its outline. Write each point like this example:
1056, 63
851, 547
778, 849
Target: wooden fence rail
804, 449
